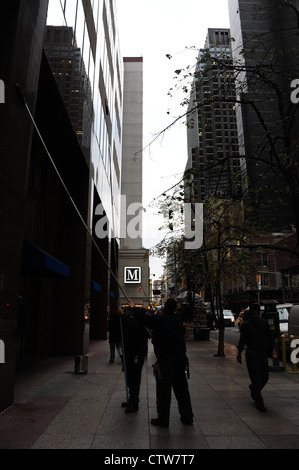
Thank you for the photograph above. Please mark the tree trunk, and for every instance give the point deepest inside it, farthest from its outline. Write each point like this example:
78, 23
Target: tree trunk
220, 352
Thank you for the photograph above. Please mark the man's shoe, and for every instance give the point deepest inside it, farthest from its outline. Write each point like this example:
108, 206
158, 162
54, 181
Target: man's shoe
131, 409
261, 407
189, 422
157, 422
252, 392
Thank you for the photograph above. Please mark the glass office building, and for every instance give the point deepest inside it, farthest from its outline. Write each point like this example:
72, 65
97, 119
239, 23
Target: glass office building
61, 178
265, 39
81, 45
212, 133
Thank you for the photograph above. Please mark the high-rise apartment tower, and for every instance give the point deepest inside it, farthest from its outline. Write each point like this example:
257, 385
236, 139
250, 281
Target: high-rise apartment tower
212, 133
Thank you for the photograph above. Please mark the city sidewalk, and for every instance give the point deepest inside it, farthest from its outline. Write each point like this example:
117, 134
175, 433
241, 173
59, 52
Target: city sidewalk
57, 409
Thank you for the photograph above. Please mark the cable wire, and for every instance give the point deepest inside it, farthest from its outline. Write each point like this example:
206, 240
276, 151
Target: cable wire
66, 189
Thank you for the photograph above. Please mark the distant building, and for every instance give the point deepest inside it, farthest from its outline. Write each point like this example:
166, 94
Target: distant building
223, 137
213, 150
265, 45
68, 67
133, 258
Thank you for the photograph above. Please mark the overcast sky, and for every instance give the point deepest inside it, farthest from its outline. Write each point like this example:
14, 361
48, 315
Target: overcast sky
153, 29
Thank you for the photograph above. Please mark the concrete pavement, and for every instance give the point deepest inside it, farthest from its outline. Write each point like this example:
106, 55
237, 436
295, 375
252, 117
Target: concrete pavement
57, 409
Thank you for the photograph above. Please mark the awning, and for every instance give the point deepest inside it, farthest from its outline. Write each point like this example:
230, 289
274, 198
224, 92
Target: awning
39, 261
96, 286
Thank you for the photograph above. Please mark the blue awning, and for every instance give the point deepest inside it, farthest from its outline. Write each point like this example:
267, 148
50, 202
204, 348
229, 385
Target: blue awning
37, 259
96, 286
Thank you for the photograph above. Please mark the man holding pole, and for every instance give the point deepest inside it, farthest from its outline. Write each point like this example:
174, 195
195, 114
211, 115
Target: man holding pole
135, 349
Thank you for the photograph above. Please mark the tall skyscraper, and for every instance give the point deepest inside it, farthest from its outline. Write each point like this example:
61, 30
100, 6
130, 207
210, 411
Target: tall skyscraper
60, 183
20, 63
265, 45
133, 258
212, 133
81, 44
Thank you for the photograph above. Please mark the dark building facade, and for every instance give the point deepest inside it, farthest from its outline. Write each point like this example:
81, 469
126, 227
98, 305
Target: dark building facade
212, 133
22, 27
59, 163
265, 53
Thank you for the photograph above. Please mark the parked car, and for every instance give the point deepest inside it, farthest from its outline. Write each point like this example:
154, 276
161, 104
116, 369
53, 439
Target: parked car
229, 319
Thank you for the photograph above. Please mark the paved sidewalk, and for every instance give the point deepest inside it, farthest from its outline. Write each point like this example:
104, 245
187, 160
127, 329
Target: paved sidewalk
57, 409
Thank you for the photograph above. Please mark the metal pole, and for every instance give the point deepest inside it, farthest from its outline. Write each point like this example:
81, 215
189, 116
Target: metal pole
67, 191
124, 356
76, 209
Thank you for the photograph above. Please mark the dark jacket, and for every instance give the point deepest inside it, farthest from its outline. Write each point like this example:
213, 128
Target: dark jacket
255, 335
114, 329
168, 334
135, 335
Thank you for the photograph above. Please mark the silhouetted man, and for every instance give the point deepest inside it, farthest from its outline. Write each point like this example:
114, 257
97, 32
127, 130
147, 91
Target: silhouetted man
256, 335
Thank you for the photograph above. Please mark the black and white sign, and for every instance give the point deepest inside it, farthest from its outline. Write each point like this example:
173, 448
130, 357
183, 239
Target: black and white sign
132, 275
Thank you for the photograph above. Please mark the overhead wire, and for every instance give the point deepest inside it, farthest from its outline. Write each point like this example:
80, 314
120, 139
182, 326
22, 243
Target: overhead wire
82, 220
66, 189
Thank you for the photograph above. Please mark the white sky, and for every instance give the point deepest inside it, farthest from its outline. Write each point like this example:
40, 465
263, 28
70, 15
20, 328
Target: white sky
152, 29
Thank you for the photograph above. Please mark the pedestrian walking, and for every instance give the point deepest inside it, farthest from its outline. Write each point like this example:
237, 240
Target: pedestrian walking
256, 335
168, 338
135, 350
115, 340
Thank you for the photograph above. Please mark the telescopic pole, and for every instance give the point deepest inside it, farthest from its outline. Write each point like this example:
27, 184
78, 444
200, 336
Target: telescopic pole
124, 356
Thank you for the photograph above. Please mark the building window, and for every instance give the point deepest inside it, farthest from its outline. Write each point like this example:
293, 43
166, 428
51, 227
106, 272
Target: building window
265, 280
294, 282
263, 259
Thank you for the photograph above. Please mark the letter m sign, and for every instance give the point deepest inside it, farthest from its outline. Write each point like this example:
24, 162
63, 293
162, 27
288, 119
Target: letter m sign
132, 275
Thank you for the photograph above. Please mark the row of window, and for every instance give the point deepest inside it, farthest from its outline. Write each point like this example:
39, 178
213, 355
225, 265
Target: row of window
81, 42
